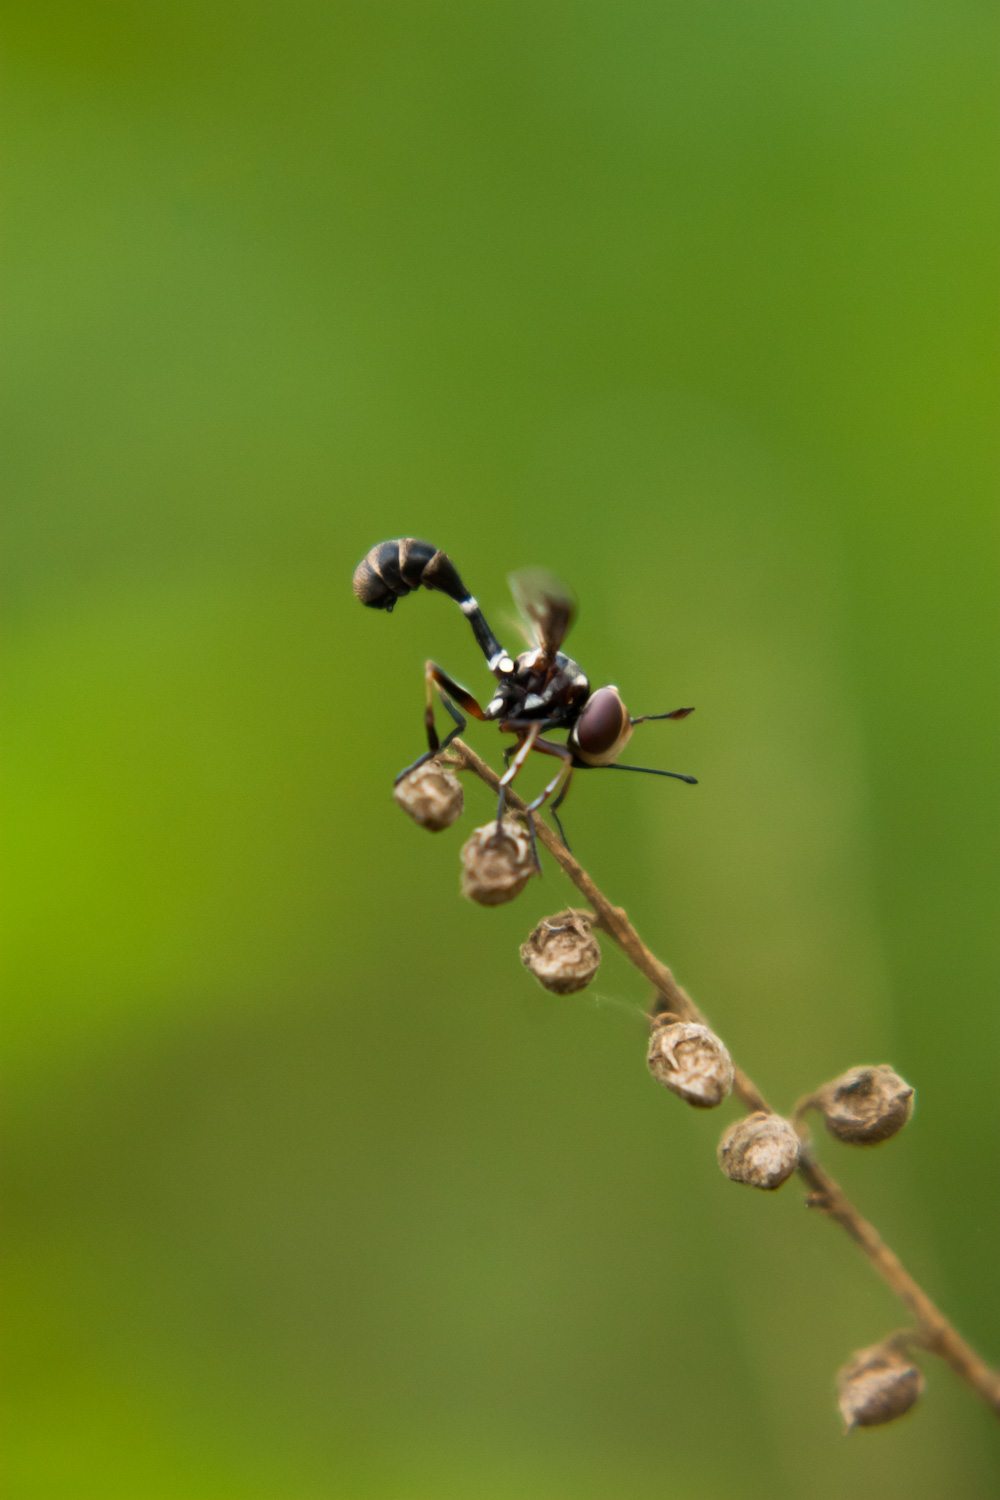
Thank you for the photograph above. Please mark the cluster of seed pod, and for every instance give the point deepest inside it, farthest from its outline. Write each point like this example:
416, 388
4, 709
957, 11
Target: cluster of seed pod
862, 1107
497, 863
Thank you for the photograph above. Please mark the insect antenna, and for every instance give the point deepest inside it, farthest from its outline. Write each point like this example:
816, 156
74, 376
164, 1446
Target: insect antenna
678, 713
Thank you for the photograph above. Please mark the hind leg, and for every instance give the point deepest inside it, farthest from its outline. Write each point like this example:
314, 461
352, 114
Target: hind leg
450, 692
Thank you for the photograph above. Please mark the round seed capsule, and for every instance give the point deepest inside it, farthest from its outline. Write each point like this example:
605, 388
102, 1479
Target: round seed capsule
761, 1150
877, 1385
865, 1105
562, 952
692, 1062
496, 868
432, 795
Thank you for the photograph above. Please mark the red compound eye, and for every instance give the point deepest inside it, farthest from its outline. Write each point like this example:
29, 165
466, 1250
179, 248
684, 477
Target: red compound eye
602, 723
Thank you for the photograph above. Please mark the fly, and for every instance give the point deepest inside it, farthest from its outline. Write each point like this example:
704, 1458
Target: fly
540, 691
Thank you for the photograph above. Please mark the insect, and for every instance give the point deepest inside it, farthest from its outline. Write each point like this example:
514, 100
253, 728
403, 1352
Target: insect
540, 691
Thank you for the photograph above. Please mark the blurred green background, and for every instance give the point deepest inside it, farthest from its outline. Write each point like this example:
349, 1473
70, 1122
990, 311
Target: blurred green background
313, 1192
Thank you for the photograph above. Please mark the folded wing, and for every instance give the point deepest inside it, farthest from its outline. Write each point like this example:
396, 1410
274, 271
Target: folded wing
547, 607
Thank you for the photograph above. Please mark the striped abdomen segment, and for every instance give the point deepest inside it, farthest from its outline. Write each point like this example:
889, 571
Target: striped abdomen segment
393, 569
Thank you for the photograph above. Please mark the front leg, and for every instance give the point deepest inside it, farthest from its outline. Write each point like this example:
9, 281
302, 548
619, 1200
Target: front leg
526, 742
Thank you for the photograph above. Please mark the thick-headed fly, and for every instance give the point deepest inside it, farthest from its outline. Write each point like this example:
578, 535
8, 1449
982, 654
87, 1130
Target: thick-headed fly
540, 691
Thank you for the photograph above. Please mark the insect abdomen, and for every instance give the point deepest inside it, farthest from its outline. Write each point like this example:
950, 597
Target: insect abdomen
393, 569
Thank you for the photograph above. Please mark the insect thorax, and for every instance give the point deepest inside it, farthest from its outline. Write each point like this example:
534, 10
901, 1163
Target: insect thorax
531, 692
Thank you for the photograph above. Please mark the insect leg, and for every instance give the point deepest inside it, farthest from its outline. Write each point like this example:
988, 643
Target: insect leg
520, 756
447, 689
564, 774
518, 726
554, 809
515, 725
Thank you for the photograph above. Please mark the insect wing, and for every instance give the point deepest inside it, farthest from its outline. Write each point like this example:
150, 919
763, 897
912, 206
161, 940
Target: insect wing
547, 606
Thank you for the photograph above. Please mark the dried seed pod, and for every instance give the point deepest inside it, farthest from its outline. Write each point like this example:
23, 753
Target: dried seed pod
496, 868
432, 795
761, 1150
692, 1062
877, 1385
562, 952
865, 1105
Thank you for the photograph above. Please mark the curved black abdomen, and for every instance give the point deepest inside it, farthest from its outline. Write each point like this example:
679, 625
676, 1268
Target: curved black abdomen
393, 569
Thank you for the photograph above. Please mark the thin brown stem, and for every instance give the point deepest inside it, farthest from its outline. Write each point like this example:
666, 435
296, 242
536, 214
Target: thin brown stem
825, 1194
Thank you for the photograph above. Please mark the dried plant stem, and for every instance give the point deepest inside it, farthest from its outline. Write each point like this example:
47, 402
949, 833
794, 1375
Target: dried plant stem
934, 1330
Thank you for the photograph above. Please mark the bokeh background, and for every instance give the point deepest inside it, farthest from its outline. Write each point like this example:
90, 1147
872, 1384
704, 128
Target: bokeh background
312, 1192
